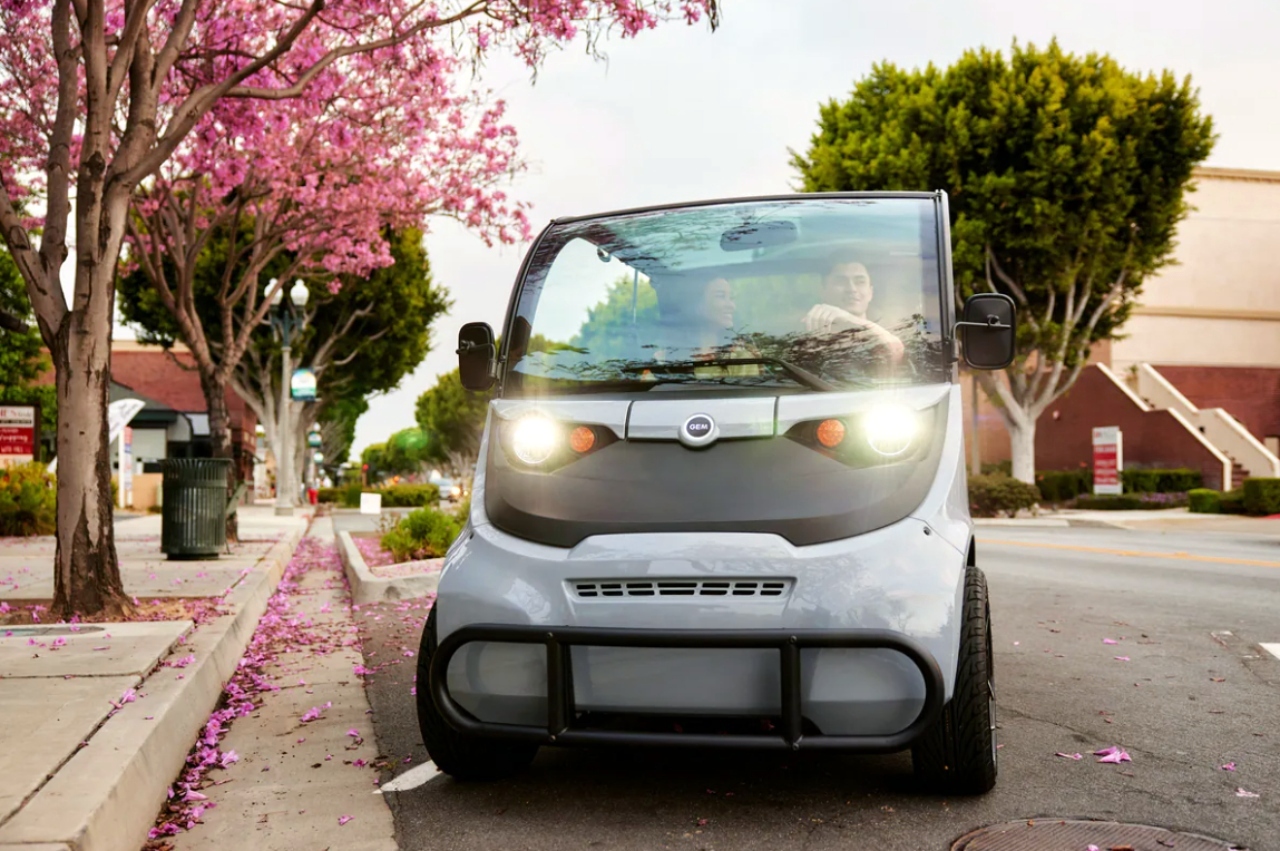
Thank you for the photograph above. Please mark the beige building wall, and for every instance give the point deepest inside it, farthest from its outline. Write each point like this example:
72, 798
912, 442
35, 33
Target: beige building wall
1220, 305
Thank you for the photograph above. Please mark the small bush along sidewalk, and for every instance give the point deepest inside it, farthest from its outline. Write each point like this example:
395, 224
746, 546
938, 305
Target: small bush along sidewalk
1259, 497
28, 500
996, 494
393, 496
425, 533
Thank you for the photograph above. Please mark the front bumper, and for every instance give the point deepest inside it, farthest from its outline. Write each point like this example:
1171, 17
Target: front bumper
562, 716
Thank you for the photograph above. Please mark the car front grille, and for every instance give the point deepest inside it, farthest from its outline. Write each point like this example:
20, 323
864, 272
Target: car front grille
597, 588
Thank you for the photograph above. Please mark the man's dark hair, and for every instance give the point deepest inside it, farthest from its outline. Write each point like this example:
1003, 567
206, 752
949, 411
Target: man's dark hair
842, 257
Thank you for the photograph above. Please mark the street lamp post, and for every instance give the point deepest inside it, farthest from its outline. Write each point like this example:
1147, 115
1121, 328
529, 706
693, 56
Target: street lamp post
286, 320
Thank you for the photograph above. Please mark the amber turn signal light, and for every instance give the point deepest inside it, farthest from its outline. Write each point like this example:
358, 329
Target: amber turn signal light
581, 439
830, 433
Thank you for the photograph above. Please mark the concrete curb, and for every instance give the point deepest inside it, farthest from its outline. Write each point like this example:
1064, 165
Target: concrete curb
107, 795
368, 588
1095, 523
1034, 522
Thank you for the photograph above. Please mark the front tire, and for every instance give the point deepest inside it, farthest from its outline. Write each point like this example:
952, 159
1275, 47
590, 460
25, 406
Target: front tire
460, 756
957, 755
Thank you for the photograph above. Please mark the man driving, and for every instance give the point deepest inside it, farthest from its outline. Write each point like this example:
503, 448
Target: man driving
846, 295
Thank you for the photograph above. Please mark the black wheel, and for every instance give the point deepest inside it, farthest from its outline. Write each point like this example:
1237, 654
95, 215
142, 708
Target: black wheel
957, 756
461, 756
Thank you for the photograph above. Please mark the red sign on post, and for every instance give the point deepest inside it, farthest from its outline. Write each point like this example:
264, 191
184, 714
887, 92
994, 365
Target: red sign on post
19, 433
1108, 460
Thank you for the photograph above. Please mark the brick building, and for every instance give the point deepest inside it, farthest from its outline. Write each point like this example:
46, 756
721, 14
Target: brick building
1196, 381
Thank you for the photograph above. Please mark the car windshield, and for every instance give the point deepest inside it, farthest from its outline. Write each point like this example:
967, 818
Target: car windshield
811, 294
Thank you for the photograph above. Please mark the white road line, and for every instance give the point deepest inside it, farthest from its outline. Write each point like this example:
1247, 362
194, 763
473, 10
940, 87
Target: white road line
411, 779
1273, 649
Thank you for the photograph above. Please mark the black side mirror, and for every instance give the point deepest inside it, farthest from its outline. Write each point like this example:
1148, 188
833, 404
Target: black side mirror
476, 355
987, 330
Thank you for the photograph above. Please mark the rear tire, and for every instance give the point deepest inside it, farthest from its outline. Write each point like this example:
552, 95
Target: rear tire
957, 755
460, 756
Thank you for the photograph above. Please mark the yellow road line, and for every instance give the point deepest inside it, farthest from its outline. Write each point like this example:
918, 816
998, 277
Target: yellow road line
1136, 553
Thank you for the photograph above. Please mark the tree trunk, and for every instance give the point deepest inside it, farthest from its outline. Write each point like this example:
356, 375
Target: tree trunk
86, 572
215, 398
1022, 444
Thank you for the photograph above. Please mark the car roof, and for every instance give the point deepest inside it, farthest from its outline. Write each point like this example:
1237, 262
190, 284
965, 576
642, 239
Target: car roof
711, 202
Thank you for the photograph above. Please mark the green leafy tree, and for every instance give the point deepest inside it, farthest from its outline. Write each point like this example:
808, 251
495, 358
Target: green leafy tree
337, 421
406, 452
22, 355
454, 418
1067, 177
609, 330
371, 461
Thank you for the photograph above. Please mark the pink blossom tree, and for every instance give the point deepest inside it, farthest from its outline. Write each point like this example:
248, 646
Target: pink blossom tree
99, 94
308, 187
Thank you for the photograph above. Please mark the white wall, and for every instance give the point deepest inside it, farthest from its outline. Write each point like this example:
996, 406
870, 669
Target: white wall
1220, 304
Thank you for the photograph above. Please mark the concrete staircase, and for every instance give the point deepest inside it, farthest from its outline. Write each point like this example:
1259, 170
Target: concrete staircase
1247, 455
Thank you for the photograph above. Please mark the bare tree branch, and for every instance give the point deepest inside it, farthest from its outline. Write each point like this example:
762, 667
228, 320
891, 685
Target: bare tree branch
135, 21
172, 49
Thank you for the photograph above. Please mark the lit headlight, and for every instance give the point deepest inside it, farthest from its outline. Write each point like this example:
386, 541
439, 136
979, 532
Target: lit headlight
890, 429
534, 438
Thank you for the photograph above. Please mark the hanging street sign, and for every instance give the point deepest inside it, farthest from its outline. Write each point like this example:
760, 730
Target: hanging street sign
303, 386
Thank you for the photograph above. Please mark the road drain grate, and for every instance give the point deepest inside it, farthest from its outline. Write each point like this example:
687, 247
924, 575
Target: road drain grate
1062, 835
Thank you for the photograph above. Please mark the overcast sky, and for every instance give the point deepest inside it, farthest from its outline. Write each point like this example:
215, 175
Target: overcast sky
681, 113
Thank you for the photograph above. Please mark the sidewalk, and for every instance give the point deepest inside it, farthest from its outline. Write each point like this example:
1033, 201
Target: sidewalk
306, 761
99, 718
1149, 519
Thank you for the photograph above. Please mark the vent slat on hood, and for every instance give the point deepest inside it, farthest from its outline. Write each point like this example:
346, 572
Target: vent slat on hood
599, 588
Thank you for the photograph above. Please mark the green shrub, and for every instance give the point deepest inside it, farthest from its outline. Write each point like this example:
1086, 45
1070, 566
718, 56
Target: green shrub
1262, 496
28, 500
999, 468
1064, 485
1204, 501
1232, 502
421, 534
408, 496
1131, 501
1179, 480
991, 496
347, 495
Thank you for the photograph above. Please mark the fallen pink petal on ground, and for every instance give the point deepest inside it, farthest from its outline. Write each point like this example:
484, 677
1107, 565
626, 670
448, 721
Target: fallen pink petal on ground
1122, 658
1109, 641
344, 819
1230, 766
1117, 755
1241, 793
1070, 755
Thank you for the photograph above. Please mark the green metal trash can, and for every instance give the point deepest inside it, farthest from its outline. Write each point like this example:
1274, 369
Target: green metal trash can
193, 511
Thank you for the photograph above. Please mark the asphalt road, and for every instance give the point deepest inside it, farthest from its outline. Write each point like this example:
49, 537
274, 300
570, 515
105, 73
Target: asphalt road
1188, 609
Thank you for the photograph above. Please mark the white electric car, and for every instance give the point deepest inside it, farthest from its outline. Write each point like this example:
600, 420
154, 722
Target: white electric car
720, 499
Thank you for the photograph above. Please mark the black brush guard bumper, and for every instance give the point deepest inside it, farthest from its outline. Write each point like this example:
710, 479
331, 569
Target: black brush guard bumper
559, 729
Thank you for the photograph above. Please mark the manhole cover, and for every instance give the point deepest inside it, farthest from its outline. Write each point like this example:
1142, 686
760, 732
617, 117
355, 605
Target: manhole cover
1063, 835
